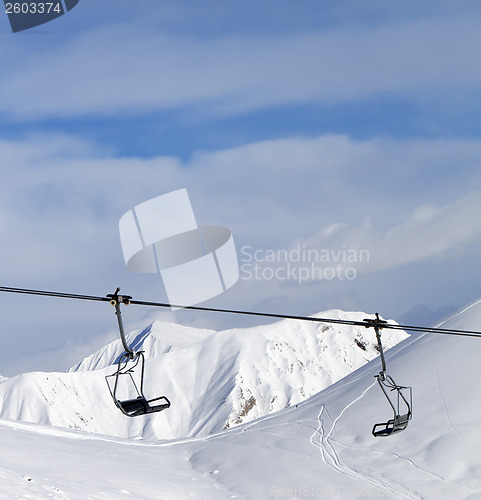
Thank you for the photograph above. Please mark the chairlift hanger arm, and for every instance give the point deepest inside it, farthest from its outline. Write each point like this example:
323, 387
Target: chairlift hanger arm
377, 324
116, 300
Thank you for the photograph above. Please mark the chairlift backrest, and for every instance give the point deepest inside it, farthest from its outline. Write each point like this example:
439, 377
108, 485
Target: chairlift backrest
135, 403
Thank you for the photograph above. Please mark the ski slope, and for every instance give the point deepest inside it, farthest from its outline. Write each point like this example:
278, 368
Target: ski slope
319, 448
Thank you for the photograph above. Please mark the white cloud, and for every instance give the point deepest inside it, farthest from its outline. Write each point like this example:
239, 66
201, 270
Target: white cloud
436, 231
60, 208
427, 232
125, 69
408, 202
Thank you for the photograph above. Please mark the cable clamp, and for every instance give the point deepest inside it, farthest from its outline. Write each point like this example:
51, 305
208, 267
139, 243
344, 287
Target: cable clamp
115, 298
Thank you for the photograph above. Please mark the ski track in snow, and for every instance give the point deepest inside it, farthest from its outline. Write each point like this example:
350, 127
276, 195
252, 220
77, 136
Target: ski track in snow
330, 455
447, 414
322, 440
415, 466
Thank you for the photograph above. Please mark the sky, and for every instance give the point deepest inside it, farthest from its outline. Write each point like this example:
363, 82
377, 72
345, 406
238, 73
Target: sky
338, 141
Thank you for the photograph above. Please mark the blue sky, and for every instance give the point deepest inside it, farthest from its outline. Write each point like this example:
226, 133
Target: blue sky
307, 124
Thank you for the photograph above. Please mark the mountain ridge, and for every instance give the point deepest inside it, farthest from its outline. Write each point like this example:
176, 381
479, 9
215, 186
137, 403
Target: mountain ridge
215, 380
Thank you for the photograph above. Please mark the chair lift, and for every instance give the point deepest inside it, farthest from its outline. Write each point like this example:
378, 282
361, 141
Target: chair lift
400, 420
129, 361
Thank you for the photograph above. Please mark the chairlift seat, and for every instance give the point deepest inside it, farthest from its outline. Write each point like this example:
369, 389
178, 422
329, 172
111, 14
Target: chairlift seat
141, 406
132, 406
392, 426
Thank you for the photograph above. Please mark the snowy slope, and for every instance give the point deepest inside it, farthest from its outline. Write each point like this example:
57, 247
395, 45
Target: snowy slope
321, 448
215, 380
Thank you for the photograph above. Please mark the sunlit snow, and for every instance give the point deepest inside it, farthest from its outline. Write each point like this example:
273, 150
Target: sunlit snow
319, 447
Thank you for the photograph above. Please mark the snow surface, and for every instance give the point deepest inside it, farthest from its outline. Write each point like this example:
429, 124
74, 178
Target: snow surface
318, 448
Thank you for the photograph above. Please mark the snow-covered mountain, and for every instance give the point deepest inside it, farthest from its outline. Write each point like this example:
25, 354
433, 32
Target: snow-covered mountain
320, 448
215, 380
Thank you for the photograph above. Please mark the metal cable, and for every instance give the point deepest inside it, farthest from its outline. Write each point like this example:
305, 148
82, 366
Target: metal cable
371, 323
